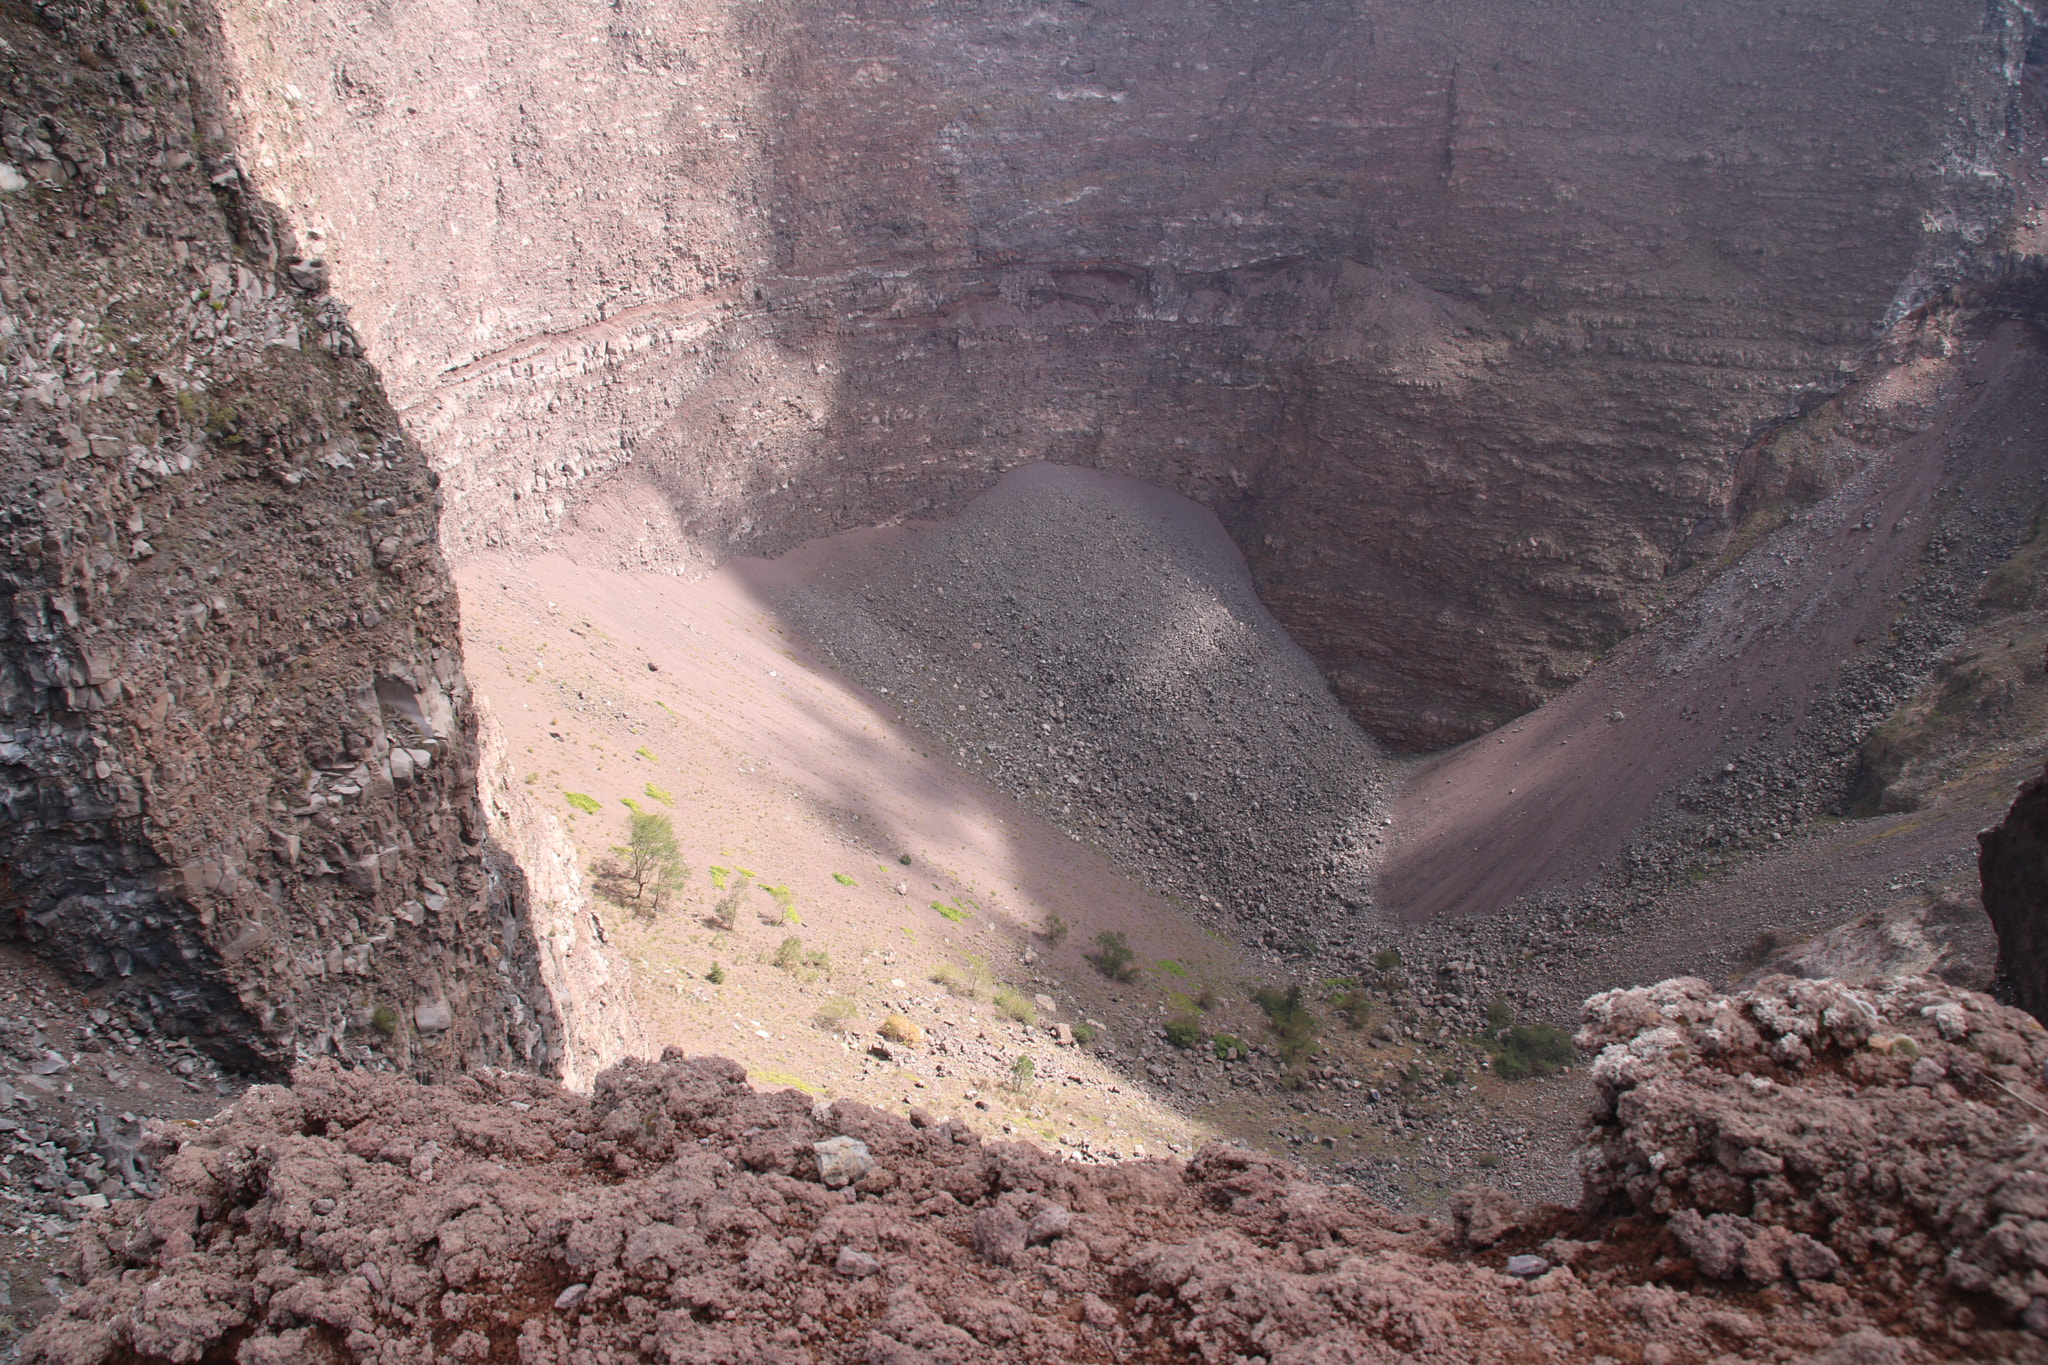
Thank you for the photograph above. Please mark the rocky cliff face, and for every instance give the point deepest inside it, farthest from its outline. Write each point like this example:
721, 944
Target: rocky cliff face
1463, 317
238, 784
2013, 865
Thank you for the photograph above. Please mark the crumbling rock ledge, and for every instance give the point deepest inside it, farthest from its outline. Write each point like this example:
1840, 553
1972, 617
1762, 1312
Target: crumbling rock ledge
1803, 1172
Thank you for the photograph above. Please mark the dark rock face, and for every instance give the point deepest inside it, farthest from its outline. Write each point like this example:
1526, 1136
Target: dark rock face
238, 786
1464, 318
2013, 863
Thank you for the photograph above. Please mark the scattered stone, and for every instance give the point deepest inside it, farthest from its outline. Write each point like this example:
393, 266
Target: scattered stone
842, 1161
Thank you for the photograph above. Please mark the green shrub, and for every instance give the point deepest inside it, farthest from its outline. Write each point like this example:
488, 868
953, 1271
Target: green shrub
843, 879
951, 912
1054, 931
660, 795
953, 979
1387, 960
1172, 968
647, 754
1530, 1050
716, 976
1356, 1008
1084, 1034
1113, 957
835, 1015
791, 956
718, 876
1023, 1072
1016, 1006
587, 804
1225, 1044
384, 1019
1184, 1030
1294, 1028
904, 859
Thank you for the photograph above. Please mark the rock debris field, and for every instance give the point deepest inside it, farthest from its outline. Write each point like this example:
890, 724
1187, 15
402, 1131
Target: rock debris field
1802, 1172
1094, 645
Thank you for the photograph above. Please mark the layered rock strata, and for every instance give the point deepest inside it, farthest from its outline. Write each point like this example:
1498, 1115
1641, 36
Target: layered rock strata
1464, 318
1773, 1176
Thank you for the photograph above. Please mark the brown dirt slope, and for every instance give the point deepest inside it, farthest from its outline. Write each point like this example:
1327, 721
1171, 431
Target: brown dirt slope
1803, 1172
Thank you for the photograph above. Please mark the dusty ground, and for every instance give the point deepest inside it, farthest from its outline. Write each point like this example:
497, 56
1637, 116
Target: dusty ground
779, 767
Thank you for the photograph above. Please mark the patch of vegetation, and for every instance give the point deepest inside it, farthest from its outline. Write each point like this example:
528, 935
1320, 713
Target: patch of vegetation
1354, 1007
1113, 957
843, 879
532, 778
660, 795
785, 903
954, 981
951, 912
384, 1019
583, 802
1023, 1074
1387, 960
1294, 1029
1016, 1006
904, 859
726, 912
1487, 1161
718, 876
1172, 968
646, 753
1225, 1044
1523, 1050
791, 956
1184, 1030
901, 1028
1205, 998
836, 1015
768, 1077
716, 976
1054, 930
1085, 1033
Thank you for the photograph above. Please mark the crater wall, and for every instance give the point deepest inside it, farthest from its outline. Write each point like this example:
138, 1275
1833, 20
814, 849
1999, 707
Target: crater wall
1462, 316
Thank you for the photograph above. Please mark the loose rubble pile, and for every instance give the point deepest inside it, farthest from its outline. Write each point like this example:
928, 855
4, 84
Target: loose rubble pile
1801, 1173
1095, 647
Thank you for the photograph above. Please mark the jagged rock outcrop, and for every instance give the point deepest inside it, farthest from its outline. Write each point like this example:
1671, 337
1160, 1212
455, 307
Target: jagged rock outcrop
1775, 1176
1465, 318
2012, 865
1886, 1137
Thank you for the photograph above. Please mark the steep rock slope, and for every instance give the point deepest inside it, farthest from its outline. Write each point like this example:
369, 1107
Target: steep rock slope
238, 786
1461, 316
1801, 1173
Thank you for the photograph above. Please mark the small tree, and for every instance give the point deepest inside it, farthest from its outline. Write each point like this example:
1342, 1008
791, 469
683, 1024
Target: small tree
652, 858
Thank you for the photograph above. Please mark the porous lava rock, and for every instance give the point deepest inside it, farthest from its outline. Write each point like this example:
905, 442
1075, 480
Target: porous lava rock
1801, 1173
2012, 865
1887, 1138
